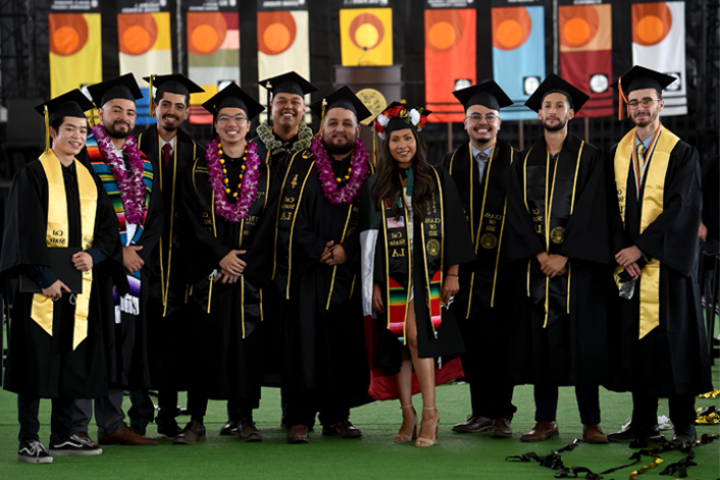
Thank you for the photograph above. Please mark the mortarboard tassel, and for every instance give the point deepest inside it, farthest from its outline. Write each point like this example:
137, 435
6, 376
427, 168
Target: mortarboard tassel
150, 92
621, 97
46, 116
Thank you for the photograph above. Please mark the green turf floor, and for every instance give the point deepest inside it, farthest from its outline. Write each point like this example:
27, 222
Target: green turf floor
374, 456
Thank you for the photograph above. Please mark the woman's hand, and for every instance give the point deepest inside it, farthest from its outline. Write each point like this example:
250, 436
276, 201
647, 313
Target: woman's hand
377, 299
451, 286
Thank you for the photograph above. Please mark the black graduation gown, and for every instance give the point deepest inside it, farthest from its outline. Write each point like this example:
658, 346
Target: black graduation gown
227, 364
672, 359
169, 327
127, 342
40, 365
323, 348
457, 250
572, 350
481, 323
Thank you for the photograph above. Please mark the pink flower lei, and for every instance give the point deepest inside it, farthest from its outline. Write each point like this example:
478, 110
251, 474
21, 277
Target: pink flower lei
131, 187
248, 187
358, 172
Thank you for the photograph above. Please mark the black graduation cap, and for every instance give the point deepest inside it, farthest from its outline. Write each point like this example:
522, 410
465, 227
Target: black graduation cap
124, 87
176, 83
554, 84
71, 104
640, 77
343, 97
289, 82
488, 94
236, 97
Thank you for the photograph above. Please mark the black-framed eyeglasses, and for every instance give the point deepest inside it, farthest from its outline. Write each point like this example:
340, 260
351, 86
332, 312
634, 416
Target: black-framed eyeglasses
645, 102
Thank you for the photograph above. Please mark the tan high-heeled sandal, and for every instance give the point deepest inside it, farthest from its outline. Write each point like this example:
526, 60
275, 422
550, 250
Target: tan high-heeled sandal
429, 442
401, 438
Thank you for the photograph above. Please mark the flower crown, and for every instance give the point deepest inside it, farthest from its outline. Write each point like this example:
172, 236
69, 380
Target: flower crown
413, 117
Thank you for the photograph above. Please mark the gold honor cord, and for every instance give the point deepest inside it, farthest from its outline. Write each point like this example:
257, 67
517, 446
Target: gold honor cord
58, 237
334, 272
652, 207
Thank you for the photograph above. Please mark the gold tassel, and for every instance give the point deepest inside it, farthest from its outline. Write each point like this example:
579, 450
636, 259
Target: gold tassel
374, 146
152, 79
322, 114
46, 115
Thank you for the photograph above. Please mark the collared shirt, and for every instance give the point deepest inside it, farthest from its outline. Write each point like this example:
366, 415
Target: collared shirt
171, 142
480, 163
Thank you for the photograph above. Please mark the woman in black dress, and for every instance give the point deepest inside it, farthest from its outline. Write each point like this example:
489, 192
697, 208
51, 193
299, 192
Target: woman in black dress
422, 238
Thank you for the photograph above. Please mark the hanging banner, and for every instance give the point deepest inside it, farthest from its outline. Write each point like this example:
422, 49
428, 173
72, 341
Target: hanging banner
213, 46
585, 33
450, 60
75, 45
144, 43
366, 36
658, 42
283, 41
518, 39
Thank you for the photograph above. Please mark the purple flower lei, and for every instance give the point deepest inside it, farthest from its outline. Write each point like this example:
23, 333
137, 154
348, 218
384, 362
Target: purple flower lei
248, 188
131, 187
359, 173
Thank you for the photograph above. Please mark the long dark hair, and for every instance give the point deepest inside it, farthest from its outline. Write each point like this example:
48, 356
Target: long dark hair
389, 187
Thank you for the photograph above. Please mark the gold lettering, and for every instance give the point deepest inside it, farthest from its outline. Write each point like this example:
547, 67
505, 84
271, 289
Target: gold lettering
537, 218
397, 243
492, 222
398, 253
293, 184
433, 233
286, 206
538, 228
535, 211
289, 199
493, 216
396, 235
432, 220
491, 229
286, 216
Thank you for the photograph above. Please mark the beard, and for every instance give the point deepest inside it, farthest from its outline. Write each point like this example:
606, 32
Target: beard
115, 133
171, 127
644, 122
554, 128
340, 148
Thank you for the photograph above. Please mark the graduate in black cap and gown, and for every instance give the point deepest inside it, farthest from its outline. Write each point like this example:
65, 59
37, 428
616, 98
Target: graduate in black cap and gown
415, 236
656, 199
480, 168
557, 239
285, 131
131, 182
316, 263
227, 195
56, 348
173, 151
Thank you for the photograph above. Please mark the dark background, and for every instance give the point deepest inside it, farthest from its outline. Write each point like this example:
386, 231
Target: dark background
25, 72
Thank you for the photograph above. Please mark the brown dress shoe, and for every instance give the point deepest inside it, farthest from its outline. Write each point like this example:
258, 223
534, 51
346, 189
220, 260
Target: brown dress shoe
342, 429
298, 434
542, 431
593, 434
474, 424
192, 433
247, 432
501, 428
86, 437
125, 436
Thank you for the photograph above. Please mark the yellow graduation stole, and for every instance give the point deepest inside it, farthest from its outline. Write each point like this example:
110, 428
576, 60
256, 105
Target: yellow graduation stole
652, 206
58, 237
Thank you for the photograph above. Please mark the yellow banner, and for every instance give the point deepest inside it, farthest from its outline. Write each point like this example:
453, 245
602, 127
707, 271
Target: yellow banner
75, 51
366, 36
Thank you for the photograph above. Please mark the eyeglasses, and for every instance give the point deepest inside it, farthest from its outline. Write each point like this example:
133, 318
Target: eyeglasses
224, 119
476, 117
646, 102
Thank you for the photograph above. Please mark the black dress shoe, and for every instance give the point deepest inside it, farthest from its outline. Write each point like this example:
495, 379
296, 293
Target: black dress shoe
170, 431
139, 429
684, 435
631, 432
230, 429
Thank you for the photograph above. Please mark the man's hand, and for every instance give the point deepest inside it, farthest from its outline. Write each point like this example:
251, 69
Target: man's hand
377, 300
223, 276
131, 260
82, 261
55, 290
542, 257
327, 253
337, 255
702, 231
554, 266
232, 264
628, 255
633, 270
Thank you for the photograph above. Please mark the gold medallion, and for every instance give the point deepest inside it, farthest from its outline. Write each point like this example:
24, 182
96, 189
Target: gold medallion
433, 247
488, 241
557, 235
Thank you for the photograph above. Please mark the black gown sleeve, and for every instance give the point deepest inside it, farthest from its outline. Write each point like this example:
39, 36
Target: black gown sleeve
587, 228
616, 229
676, 228
519, 239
